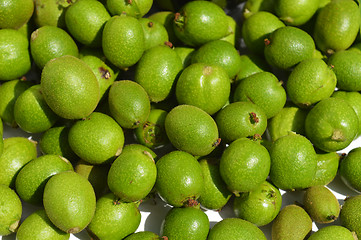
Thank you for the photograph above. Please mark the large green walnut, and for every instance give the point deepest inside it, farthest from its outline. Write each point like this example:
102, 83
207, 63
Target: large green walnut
332, 124
96, 139
172, 170
199, 22
123, 40
244, 165
192, 130
204, 85
69, 201
69, 87
159, 77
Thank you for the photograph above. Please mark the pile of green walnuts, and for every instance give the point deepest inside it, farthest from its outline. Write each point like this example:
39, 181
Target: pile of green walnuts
202, 105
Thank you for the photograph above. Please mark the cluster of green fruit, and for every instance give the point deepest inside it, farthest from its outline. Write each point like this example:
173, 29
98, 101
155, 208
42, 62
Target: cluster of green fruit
128, 102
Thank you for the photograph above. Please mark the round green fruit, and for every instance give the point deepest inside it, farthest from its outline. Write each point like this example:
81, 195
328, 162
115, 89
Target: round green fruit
235, 228
206, 86
259, 206
240, 119
37, 226
294, 162
172, 169
69, 201
10, 210
185, 223
97, 138
114, 219
244, 165
331, 125
192, 130
69, 87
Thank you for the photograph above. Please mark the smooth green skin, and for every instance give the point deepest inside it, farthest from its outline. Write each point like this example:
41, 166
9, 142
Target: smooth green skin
292, 222
185, 53
96, 175
55, 141
295, 13
185, 223
332, 232
105, 73
143, 235
215, 194
14, 54
114, 219
136, 8
158, 77
31, 180
69, 201
9, 92
140, 148
234, 32
354, 100
310, 82
259, 206
323, 3
70, 87
123, 41
167, 18
204, 85
155, 33
336, 26
321, 204
294, 162
153, 134
10, 210
129, 103
174, 5
51, 13
289, 119
288, 46
37, 226
96, 139
221, 53
85, 20
1, 137
258, 27
31, 112
240, 119
264, 90
235, 229
49, 42
254, 6
15, 13
350, 214
18, 151
132, 176
192, 130
172, 169
346, 66
251, 64
199, 22
327, 166
350, 169
244, 165
331, 125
